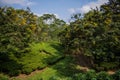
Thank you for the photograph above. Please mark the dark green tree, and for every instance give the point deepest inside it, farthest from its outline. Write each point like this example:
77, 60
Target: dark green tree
96, 34
17, 27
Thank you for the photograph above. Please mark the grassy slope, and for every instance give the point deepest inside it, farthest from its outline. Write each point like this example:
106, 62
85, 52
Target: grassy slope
43, 54
40, 56
38, 59
61, 70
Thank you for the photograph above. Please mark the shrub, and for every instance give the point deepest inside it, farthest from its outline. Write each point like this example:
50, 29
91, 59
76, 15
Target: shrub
3, 77
103, 76
27, 70
116, 76
79, 76
12, 68
90, 75
110, 65
60, 78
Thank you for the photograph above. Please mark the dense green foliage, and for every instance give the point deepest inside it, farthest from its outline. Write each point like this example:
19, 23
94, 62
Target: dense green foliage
40, 56
49, 27
66, 70
3, 77
16, 28
97, 34
91, 75
19, 31
29, 43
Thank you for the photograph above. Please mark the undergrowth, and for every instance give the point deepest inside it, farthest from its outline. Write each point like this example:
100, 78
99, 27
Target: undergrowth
39, 56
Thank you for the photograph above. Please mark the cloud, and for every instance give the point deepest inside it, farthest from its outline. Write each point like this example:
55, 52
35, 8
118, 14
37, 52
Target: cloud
38, 14
86, 8
57, 16
93, 5
20, 2
72, 10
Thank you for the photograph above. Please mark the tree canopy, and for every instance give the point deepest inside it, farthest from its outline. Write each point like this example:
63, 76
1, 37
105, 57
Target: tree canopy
97, 34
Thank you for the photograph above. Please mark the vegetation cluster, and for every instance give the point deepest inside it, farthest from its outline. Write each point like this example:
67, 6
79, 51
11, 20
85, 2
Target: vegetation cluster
29, 42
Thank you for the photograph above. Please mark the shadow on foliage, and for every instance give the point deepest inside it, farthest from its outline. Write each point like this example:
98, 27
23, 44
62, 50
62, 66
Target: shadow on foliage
66, 67
9, 66
58, 47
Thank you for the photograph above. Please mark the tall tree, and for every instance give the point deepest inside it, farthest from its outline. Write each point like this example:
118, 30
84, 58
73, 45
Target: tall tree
49, 27
96, 34
16, 28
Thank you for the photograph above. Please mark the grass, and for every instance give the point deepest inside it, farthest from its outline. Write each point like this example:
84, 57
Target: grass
48, 72
61, 70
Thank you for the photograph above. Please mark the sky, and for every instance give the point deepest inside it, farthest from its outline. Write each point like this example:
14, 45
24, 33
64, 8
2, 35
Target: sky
63, 9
